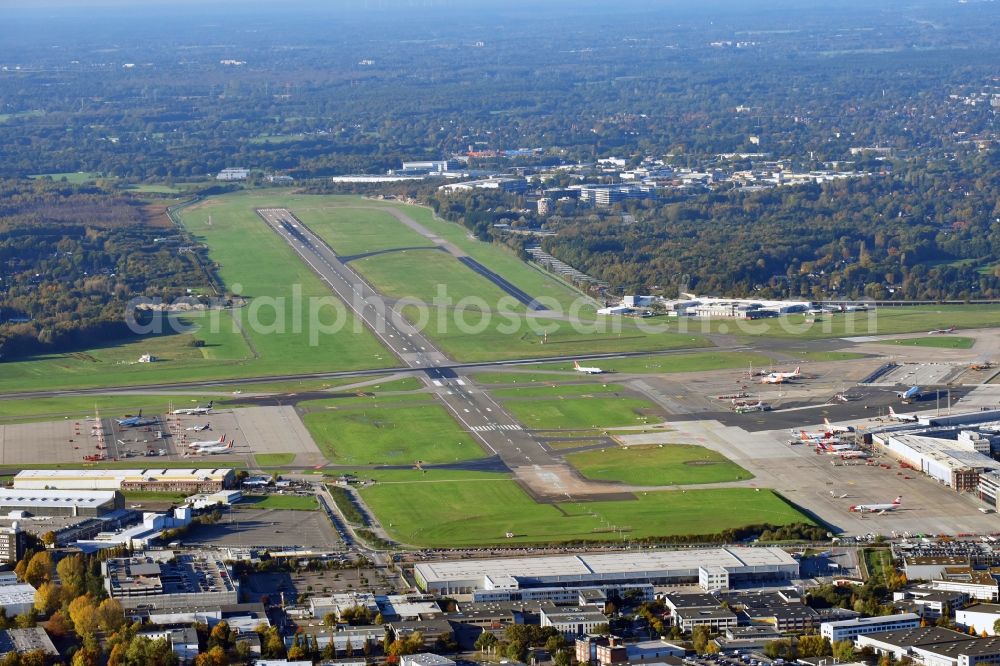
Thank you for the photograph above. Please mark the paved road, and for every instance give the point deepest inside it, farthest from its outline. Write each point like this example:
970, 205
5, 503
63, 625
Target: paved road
478, 412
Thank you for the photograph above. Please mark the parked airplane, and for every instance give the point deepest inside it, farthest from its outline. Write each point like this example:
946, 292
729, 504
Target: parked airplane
212, 450
877, 508
909, 394
135, 421
781, 377
199, 428
586, 370
835, 428
901, 417
823, 436
214, 442
939, 331
194, 411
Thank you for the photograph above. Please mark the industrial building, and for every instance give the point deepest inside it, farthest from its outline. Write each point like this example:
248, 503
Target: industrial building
842, 630
23, 641
17, 598
606, 571
500, 183
185, 480
953, 462
571, 621
233, 173
60, 502
607, 195
164, 579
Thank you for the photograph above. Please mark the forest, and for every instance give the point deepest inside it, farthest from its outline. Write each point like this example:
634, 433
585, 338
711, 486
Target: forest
71, 259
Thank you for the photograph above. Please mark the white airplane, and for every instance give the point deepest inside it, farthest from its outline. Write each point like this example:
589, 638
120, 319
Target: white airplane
816, 436
199, 428
835, 428
586, 370
781, 377
905, 418
877, 508
212, 450
194, 411
940, 331
214, 442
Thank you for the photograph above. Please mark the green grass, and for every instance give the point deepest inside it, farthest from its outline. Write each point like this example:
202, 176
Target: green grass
939, 342
285, 502
356, 231
827, 355
342, 498
693, 362
27, 410
393, 435
154, 188
879, 563
448, 509
518, 377
669, 465
34, 113
491, 336
366, 402
273, 459
576, 407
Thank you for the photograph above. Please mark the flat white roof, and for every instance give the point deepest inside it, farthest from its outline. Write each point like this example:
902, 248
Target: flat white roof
16, 594
185, 473
63, 498
595, 565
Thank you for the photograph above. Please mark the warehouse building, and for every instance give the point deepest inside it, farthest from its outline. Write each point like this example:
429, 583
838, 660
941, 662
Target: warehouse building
956, 466
609, 571
164, 579
60, 502
22, 641
17, 598
184, 480
981, 618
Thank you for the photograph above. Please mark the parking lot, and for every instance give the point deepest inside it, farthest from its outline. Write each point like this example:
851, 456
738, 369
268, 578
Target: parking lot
271, 528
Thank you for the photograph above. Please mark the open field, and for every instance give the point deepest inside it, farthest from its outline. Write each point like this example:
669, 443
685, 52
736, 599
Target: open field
693, 362
437, 509
518, 377
273, 459
392, 435
557, 390
576, 407
373, 401
352, 231
674, 464
75, 177
939, 342
492, 336
821, 356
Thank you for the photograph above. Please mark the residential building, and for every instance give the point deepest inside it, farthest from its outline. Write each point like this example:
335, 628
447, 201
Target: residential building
980, 617
851, 629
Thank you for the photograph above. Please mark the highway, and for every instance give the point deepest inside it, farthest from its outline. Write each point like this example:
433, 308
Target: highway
478, 412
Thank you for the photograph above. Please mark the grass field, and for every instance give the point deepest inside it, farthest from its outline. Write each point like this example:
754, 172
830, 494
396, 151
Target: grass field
576, 406
285, 502
827, 355
674, 464
938, 342
374, 401
391, 436
75, 177
519, 377
664, 363
273, 459
352, 231
440, 509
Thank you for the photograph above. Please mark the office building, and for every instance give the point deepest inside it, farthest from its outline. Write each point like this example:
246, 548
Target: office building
13, 541
850, 629
571, 621
981, 618
163, 579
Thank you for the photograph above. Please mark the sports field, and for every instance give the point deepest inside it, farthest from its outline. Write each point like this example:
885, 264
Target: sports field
390, 436
576, 407
443, 509
657, 465
937, 341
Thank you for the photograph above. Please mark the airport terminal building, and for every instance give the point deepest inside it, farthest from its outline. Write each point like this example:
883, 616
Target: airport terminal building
514, 579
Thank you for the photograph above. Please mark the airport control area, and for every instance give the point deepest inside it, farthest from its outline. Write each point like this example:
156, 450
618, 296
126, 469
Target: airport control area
537, 460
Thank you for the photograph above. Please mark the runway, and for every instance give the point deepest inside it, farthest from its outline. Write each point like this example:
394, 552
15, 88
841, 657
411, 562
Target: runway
472, 406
